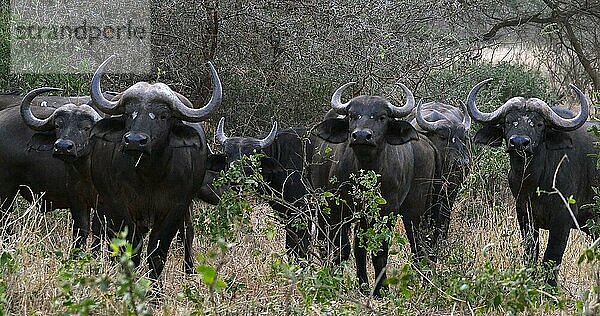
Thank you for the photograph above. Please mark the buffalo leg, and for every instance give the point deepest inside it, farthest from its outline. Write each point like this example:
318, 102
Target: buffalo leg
557, 242
158, 246
297, 241
137, 241
338, 239
441, 215
334, 233
343, 242
360, 255
409, 226
98, 229
188, 241
529, 234
297, 238
380, 265
81, 226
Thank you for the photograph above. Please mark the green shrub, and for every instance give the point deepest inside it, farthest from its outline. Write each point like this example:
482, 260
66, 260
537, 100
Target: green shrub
510, 80
86, 288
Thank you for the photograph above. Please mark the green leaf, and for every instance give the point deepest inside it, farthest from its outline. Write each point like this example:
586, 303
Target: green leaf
207, 273
380, 201
571, 200
220, 285
391, 281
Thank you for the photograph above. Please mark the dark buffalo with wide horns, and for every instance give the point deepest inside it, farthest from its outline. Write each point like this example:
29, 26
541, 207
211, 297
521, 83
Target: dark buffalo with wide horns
550, 150
448, 129
147, 163
282, 168
71, 124
30, 138
368, 133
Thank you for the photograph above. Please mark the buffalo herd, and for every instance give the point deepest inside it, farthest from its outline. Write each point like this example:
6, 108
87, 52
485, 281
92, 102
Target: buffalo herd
136, 160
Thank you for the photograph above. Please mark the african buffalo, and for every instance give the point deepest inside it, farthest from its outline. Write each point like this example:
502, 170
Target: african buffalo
368, 134
26, 156
147, 164
282, 169
70, 125
550, 150
448, 129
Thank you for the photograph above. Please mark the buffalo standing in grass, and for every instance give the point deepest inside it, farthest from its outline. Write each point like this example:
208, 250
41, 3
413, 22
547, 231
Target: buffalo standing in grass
448, 129
282, 169
29, 142
549, 149
71, 125
147, 163
368, 134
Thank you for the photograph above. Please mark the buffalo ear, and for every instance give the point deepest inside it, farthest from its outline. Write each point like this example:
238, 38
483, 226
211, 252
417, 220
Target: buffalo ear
110, 129
333, 130
216, 162
183, 135
490, 135
42, 142
269, 164
400, 132
558, 140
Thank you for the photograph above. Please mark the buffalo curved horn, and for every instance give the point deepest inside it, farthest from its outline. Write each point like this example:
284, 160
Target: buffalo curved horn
220, 135
492, 117
104, 105
336, 99
424, 123
197, 115
401, 111
466, 117
30, 119
270, 138
567, 124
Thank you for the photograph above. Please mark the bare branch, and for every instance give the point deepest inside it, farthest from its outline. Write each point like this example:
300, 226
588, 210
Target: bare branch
535, 18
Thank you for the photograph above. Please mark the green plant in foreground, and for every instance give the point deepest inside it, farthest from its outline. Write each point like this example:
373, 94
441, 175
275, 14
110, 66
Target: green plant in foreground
131, 289
223, 223
74, 277
233, 211
84, 289
368, 200
317, 285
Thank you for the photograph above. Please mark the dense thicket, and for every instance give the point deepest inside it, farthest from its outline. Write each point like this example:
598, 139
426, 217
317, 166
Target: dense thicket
283, 59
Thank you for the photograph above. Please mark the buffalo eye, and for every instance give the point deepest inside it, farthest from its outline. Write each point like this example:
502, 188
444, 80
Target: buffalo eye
443, 133
382, 118
86, 126
58, 122
163, 116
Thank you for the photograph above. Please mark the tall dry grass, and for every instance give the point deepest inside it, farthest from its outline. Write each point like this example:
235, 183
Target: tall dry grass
483, 230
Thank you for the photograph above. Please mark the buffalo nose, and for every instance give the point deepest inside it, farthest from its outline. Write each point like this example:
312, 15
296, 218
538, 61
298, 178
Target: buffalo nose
139, 139
362, 135
63, 145
519, 142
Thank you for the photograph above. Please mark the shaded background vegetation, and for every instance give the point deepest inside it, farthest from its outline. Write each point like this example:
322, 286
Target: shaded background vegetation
282, 59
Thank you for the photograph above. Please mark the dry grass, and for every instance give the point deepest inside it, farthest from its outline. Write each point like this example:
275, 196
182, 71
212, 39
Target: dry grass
39, 243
